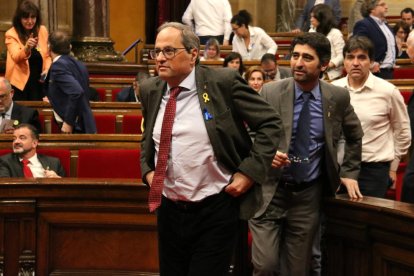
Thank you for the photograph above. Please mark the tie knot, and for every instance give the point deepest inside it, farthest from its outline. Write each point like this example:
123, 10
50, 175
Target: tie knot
306, 95
25, 161
175, 91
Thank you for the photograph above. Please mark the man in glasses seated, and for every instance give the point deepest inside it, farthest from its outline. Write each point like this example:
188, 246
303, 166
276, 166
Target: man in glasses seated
305, 165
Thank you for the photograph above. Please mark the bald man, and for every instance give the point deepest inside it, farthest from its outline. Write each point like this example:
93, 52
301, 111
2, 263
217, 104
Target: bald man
407, 194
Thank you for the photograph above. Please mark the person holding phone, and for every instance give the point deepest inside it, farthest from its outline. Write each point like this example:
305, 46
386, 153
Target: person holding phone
27, 55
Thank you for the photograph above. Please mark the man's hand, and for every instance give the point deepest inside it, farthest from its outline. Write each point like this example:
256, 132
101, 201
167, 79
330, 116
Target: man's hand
51, 174
149, 176
393, 177
352, 187
280, 160
296, 31
240, 184
66, 128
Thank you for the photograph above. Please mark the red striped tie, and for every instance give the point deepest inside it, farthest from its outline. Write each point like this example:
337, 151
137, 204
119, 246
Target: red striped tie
26, 170
157, 185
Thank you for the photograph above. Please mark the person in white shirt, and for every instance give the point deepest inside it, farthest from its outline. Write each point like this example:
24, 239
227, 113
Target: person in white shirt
323, 21
383, 115
209, 19
251, 42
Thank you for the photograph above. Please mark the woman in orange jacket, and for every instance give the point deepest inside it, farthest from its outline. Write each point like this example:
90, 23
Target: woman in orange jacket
27, 54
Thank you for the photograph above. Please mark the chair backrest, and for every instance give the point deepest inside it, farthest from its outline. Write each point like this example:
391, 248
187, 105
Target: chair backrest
105, 123
114, 93
131, 124
5, 151
406, 95
62, 154
403, 73
101, 93
109, 163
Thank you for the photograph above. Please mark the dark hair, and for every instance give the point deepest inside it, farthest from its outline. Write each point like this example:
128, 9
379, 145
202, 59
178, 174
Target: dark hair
324, 14
24, 10
33, 131
59, 43
268, 57
316, 41
407, 10
242, 18
253, 69
233, 56
404, 26
359, 42
368, 6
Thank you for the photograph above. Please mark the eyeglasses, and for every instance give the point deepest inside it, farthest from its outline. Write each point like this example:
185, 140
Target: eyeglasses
297, 159
168, 52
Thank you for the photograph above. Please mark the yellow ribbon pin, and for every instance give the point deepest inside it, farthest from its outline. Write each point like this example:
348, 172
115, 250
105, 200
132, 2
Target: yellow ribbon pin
205, 97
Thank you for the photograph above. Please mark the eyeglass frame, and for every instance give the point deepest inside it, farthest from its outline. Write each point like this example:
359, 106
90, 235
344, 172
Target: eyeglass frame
153, 53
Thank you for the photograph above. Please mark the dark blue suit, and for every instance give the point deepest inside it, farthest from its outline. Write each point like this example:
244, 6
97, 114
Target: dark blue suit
303, 21
407, 194
68, 93
369, 28
25, 114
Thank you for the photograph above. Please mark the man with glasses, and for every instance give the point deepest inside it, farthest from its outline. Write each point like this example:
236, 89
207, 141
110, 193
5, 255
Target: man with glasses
377, 30
305, 166
197, 157
11, 113
272, 70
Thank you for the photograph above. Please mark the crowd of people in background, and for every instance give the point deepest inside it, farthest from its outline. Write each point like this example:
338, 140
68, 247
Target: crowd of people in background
248, 143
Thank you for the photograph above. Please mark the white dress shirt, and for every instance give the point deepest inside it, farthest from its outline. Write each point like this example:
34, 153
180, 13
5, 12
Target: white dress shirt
260, 44
193, 172
389, 60
211, 17
35, 166
384, 120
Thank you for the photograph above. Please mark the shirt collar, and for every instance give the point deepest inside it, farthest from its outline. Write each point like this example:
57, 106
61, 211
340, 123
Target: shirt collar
316, 92
188, 83
378, 20
8, 113
32, 159
56, 58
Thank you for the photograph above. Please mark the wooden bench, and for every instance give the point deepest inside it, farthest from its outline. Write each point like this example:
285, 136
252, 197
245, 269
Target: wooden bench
76, 142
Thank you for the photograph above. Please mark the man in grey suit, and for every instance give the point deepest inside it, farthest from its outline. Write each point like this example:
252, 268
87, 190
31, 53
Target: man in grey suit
25, 141
272, 70
212, 172
284, 228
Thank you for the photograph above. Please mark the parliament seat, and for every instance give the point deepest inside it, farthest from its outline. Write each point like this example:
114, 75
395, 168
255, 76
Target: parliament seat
109, 163
62, 154
131, 124
105, 123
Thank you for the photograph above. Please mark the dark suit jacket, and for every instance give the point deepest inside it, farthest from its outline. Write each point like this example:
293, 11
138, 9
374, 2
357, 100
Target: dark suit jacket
338, 117
26, 115
410, 108
127, 94
68, 93
369, 28
303, 21
232, 103
284, 72
10, 166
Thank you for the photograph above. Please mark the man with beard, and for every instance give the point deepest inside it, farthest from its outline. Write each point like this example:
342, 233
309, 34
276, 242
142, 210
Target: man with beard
24, 161
305, 165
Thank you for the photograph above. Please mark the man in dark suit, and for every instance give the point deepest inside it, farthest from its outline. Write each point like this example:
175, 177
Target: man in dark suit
377, 30
272, 70
303, 21
13, 111
407, 15
284, 227
68, 88
131, 94
407, 194
210, 174
25, 141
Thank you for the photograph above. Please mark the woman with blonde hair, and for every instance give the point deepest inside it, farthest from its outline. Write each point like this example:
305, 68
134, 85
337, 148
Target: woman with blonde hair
212, 50
27, 53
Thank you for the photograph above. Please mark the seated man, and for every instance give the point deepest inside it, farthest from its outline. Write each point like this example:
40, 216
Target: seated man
24, 161
12, 112
272, 70
130, 94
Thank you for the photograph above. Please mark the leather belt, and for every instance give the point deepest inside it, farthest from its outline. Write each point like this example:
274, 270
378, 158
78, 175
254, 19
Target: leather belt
193, 205
293, 186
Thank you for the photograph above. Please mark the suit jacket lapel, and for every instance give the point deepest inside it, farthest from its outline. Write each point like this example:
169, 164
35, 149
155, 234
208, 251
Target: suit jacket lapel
155, 97
286, 110
328, 107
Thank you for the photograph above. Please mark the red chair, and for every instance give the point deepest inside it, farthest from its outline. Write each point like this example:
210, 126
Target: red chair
404, 73
406, 95
109, 163
105, 123
102, 94
399, 182
62, 154
115, 93
5, 151
131, 124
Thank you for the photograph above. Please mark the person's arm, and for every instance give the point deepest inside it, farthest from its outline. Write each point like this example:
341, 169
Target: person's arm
4, 169
400, 124
269, 43
227, 15
338, 44
188, 16
15, 48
